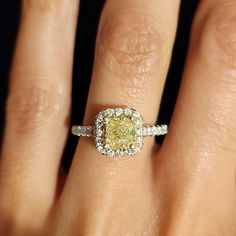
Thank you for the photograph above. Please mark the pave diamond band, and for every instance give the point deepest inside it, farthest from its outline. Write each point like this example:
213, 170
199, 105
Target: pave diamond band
119, 131
84, 131
154, 130
147, 130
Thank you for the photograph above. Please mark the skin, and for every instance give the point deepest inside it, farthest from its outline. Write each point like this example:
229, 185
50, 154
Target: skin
185, 187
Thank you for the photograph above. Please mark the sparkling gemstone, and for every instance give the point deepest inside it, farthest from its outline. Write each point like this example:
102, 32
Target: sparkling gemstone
118, 111
120, 132
127, 111
149, 130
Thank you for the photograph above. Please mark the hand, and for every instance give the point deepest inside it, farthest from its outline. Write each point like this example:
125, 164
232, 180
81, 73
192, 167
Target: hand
184, 187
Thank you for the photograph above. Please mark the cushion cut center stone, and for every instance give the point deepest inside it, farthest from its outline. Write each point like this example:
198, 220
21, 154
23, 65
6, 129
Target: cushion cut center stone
120, 132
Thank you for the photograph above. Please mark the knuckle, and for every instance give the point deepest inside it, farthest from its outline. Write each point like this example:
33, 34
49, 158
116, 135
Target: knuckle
130, 45
30, 108
218, 40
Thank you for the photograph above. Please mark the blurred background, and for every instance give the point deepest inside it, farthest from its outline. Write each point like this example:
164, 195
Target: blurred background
90, 11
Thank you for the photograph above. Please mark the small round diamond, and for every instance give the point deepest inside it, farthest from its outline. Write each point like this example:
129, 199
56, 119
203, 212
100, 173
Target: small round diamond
118, 111
158, 129
139, 132
153, 130
99, 132
117, 152
149, 130
136, 114
127, 111
140, 140
99, 148
125, 152
139, 122
110, 153
99, 121
136, 150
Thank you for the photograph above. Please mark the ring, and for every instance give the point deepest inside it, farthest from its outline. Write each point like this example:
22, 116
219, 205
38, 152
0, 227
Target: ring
119, 132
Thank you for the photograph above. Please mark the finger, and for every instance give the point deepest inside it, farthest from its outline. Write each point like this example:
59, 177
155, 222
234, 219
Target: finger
133, 52
38, 106
201, 143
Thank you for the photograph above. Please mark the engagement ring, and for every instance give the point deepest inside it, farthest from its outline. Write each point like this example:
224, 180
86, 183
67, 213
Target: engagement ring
119, 132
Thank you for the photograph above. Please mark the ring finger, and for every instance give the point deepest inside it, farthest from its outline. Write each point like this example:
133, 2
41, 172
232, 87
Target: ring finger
133, 53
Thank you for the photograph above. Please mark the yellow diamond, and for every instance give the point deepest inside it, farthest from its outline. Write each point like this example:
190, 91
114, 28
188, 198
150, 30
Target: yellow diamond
120, 133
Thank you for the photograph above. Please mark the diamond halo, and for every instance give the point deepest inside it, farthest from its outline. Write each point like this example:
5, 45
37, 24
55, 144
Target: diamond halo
119, 132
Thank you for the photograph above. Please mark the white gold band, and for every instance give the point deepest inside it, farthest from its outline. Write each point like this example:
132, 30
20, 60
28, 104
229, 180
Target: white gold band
147, 130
